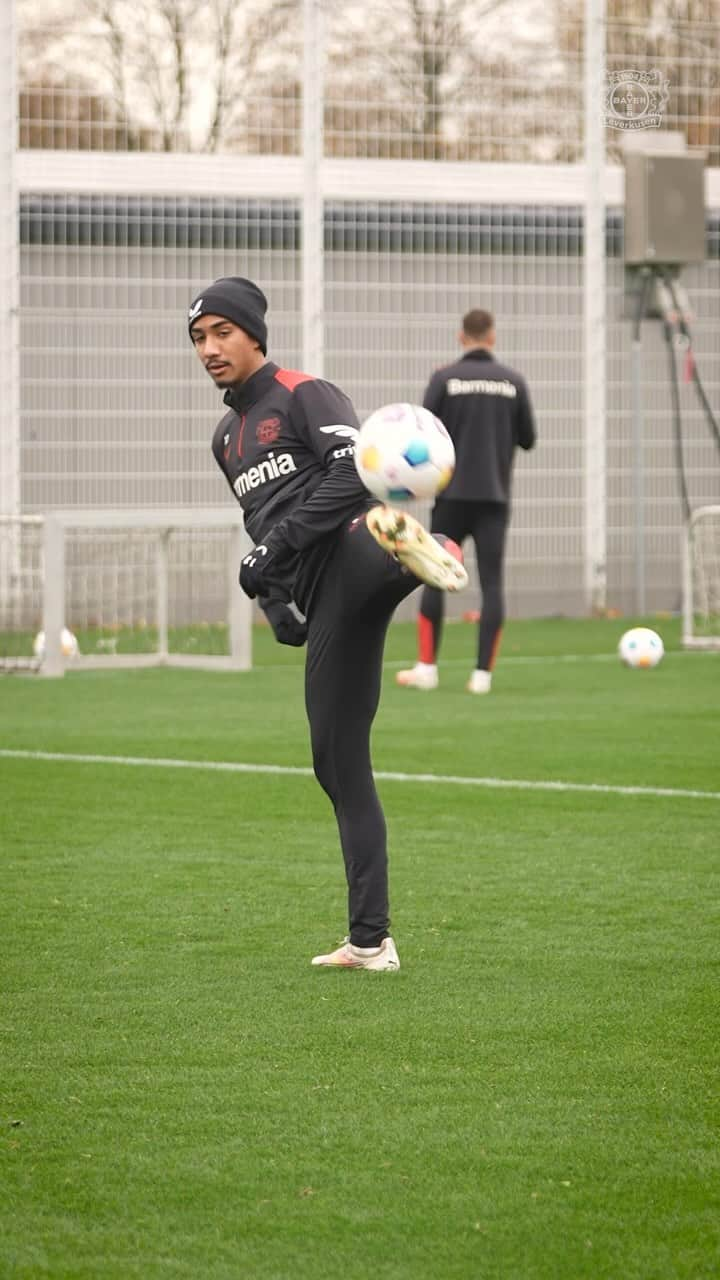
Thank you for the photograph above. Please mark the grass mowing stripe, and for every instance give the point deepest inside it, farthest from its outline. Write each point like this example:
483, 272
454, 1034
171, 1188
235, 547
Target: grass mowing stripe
229, 766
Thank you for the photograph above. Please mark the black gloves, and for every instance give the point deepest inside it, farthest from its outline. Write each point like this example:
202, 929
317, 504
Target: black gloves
256, 569
259, 577
287, 627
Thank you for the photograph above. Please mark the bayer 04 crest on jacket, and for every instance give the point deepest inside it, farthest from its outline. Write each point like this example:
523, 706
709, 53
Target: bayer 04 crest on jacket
486, 409
286, 449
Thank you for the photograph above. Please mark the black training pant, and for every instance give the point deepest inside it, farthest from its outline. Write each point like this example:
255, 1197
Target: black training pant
486, 523
351, 608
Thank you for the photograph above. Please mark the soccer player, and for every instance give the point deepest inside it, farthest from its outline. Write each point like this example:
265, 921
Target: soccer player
329, 566
486, 408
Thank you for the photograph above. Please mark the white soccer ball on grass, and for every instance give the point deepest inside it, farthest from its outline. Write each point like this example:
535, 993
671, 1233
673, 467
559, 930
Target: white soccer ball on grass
69, 646
403, 452
641, 647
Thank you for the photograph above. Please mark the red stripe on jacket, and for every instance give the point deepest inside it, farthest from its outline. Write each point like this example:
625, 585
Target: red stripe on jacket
291, 379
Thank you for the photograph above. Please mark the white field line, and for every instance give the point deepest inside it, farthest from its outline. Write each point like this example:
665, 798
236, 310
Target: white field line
453, 780
531, 660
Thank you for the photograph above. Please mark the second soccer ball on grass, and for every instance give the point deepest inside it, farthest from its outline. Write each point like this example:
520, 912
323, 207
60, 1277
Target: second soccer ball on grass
641, 647
403, 452
69, 647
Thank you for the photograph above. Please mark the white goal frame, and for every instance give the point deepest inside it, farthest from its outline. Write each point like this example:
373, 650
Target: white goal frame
163, 521
692, 599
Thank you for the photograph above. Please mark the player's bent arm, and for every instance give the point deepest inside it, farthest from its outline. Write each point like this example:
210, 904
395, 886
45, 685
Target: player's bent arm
324, 417
339, 494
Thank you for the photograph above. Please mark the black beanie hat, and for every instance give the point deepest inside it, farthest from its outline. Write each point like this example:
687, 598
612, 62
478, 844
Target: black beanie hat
238, 300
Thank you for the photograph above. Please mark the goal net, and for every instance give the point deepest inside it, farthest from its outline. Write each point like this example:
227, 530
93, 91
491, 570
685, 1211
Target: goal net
701, 595
129, 588
21, 590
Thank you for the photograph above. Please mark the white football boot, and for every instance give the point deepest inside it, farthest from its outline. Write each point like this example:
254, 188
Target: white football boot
403, 537
424, 675
379, 959
479, 682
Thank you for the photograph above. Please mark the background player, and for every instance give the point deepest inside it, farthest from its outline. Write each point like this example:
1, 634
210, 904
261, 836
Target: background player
486, 408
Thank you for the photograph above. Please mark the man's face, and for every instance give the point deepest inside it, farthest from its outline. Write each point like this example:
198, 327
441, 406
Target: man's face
228, 353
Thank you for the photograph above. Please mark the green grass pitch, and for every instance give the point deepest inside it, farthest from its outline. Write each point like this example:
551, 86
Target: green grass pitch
533, 1097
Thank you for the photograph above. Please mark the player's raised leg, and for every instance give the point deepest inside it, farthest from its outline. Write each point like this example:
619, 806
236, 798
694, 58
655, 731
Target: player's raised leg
429, 558
449, 526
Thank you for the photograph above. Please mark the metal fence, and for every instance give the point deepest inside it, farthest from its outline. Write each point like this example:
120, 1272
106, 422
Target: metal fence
446, 80
445, 172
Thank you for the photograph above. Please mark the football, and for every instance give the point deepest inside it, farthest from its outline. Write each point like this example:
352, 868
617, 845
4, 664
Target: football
68, 644
641, 647
403, 452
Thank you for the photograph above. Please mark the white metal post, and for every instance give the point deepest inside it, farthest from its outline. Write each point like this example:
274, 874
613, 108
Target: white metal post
688, 620
240, 606
595, 461
53, 663
162, 581
9, 301
312, 200
638, 472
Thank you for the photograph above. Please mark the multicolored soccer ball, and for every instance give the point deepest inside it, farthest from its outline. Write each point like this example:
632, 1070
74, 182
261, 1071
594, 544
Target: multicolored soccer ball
403, 452
641, 647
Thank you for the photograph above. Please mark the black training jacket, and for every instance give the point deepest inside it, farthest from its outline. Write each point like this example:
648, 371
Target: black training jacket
286, 449
486, 408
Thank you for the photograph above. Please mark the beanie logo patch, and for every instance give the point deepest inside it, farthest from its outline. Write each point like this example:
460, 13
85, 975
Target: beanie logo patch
195, 309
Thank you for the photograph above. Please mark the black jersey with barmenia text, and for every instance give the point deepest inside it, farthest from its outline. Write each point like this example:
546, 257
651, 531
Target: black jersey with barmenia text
286, 449
486, 408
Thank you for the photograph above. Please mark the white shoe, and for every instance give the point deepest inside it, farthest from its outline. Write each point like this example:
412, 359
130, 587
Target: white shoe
384, 957
424, 675
479, 682
403, 537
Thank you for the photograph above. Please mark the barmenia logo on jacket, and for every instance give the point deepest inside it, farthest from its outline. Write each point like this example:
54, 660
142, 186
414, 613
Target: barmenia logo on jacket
271, 468
480, 386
